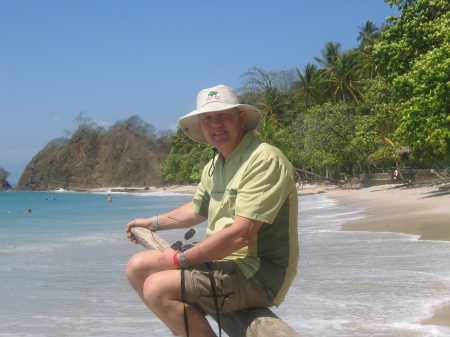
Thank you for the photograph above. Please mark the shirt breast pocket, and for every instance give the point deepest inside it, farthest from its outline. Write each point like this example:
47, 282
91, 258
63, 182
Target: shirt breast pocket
229, 201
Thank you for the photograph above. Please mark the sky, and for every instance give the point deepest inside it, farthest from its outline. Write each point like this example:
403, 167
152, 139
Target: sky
113, 59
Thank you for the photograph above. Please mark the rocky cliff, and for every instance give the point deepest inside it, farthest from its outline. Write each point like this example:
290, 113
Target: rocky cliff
4, 185
93, 158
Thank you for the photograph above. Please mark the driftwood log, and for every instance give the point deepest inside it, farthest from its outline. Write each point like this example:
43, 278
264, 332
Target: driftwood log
254, 322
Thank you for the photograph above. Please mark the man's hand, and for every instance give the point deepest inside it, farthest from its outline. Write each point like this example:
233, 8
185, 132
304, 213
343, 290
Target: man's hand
165, 260
145, 223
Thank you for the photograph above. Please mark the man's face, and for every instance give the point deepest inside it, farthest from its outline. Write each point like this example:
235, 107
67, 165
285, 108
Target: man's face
223, 129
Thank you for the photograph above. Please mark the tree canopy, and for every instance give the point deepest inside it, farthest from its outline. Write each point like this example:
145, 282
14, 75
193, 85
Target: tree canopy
415, 52
353, 111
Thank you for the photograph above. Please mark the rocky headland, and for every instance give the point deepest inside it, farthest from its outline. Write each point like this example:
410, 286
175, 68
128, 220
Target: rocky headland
94, 158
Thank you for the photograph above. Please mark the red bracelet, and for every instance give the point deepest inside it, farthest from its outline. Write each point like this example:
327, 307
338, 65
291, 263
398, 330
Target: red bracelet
175, 261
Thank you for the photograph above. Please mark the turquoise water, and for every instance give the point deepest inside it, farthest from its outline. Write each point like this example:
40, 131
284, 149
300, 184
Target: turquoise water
62, 270
61, 214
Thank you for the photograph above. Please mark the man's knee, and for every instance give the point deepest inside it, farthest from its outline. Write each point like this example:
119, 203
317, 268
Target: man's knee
132, 266
161, 287
138, 267
152, 290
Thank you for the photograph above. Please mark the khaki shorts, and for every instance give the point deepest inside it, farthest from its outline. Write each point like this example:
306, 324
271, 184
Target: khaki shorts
233, 290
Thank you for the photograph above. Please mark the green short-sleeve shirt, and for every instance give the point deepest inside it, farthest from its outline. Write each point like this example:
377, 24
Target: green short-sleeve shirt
256, 182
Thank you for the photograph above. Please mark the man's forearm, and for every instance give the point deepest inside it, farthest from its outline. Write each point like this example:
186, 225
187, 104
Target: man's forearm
224, 242
181, 217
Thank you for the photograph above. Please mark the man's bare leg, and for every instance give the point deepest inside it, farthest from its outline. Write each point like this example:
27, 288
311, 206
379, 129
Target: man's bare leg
141, 266
161, 292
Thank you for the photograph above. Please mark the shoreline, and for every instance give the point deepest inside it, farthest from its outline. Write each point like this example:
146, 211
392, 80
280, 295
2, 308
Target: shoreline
421, 211
414, 210
182, 189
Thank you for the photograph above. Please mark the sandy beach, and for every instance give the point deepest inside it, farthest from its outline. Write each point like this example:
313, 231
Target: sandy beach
417, 210
422, 211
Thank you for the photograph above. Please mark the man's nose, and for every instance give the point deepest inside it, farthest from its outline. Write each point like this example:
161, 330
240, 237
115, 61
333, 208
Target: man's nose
216, 120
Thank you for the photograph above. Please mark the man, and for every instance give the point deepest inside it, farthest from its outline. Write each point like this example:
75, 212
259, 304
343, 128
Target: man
247, 193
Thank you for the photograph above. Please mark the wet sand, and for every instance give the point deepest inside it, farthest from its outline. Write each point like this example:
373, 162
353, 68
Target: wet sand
422, 211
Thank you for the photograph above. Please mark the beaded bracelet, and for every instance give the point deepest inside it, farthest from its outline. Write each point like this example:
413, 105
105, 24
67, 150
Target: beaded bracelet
156, 222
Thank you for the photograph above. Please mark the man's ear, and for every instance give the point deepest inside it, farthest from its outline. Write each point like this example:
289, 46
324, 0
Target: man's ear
242, 118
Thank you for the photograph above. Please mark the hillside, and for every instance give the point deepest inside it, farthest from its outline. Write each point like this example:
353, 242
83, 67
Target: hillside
93, 158
4, 185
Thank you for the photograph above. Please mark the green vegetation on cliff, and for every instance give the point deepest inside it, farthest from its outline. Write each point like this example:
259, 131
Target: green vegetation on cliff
129, 154
3, 182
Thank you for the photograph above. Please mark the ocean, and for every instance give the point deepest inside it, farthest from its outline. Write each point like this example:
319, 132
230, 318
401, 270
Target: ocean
62, 270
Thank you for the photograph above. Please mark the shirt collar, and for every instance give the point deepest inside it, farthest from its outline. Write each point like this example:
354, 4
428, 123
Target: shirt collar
243, 144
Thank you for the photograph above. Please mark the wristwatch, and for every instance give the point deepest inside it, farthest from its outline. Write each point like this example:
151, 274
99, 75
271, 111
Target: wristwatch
184, 263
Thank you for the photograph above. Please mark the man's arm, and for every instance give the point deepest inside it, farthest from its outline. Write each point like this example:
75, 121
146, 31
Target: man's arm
181, 217
219, 245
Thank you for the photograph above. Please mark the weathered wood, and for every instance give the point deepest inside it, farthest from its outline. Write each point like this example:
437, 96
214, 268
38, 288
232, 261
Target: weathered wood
254, 322
148, 239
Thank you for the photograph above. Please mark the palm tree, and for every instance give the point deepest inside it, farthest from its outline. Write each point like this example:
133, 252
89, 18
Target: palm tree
273, 102
343, 79
270, 131
366, 66
330, 54
368, 35
308, 92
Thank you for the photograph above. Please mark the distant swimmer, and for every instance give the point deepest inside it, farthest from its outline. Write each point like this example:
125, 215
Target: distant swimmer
109, 198
27, 211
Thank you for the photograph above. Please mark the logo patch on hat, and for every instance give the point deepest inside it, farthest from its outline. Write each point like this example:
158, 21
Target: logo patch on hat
213, 96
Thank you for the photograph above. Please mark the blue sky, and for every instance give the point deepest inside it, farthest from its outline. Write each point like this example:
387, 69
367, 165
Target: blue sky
116, 58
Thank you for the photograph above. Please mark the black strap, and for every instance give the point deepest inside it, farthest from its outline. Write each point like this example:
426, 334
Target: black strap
212, 168
213, 288
186, 324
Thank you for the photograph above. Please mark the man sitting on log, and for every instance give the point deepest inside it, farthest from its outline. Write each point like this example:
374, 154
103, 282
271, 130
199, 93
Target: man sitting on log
247, 193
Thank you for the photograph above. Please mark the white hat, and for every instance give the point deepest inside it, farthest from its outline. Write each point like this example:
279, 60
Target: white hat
218, 98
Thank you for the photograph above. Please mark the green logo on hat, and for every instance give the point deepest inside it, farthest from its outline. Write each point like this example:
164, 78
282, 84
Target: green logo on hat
212, 93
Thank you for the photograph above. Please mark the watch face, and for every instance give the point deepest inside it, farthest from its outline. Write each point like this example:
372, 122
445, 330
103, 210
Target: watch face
184, 263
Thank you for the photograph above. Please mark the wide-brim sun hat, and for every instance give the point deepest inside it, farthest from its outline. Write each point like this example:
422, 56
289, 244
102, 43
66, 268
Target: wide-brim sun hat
218, 98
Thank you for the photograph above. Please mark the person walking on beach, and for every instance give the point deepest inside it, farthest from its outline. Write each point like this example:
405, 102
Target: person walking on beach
247, 194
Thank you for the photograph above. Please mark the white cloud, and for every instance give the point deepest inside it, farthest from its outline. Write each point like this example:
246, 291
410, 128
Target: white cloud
173, 127
103, 124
